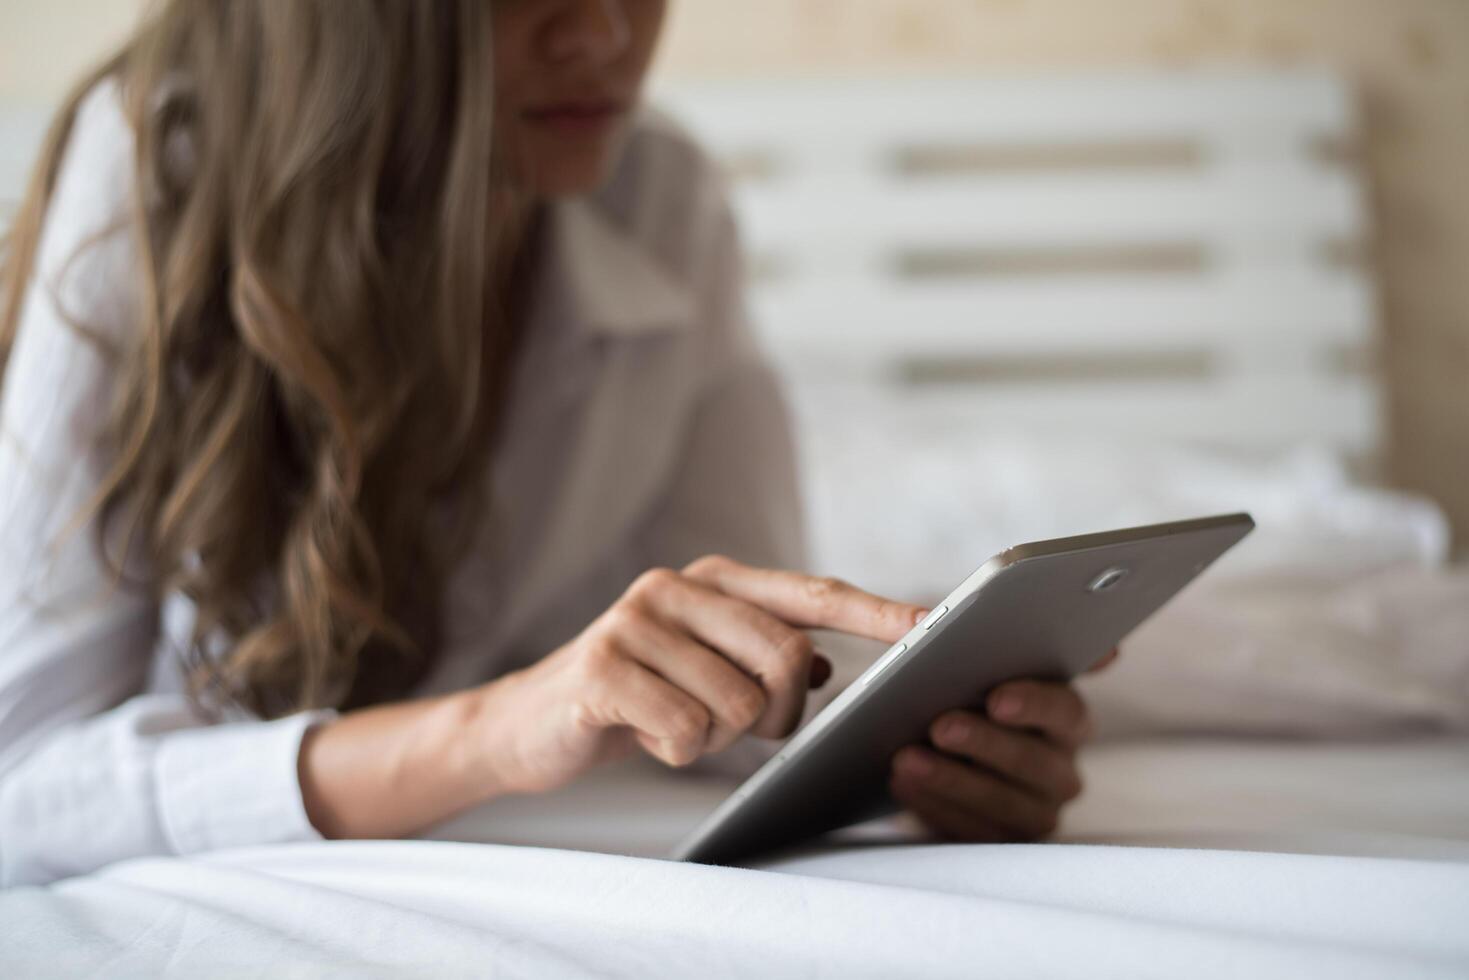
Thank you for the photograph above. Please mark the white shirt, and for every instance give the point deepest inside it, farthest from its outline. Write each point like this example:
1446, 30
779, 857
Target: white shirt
644, 430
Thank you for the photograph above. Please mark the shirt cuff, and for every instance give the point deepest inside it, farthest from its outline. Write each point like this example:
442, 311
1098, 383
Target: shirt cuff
234, 785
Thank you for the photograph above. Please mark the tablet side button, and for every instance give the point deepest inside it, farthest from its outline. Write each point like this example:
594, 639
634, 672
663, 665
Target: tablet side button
885, 662
935, 616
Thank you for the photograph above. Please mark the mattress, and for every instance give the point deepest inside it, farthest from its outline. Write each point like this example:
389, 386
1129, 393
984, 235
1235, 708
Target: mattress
1405, 797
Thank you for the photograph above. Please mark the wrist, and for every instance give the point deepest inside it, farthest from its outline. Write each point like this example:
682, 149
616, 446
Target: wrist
485, 747
395, 769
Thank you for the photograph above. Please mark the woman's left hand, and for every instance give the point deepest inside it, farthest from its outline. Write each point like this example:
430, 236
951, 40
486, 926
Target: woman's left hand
1003, 775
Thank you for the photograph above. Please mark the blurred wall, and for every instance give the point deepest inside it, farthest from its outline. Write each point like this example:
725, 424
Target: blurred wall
1410, 58
46, 44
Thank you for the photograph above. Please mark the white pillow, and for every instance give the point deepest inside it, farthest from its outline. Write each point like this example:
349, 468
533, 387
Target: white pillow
1308, 655
1334, 616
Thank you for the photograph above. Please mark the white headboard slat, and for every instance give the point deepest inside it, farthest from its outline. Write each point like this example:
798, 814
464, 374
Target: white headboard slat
1025, 223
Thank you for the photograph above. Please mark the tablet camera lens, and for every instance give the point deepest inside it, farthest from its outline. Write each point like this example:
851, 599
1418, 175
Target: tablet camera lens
1107, 579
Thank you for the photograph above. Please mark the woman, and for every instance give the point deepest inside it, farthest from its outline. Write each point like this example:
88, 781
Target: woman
371, 364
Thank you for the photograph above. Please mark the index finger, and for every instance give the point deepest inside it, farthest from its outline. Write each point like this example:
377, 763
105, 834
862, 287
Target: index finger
813, 602
1053, 709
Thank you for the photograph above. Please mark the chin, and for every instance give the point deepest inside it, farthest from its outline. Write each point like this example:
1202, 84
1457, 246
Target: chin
568, 168
552, 182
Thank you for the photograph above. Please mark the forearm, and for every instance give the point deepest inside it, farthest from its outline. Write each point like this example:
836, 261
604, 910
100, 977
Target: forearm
394, 770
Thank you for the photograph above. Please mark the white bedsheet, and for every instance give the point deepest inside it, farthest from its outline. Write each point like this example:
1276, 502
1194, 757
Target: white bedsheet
1249, 858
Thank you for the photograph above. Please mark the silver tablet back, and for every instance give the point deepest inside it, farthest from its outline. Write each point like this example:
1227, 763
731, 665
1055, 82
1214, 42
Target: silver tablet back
1049, 609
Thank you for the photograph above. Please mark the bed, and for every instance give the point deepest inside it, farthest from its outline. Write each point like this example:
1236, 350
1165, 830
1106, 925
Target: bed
1218, 857
1064, 303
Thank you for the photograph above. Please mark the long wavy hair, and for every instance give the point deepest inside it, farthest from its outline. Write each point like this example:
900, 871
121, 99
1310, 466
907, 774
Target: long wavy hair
305, 412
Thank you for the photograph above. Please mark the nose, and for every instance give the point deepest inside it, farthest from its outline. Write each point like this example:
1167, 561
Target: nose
592, 31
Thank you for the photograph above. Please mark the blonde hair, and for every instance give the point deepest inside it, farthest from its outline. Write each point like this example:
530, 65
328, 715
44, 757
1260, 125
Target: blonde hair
305, 413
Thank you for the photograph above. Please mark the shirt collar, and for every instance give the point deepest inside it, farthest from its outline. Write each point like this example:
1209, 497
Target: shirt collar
605, 281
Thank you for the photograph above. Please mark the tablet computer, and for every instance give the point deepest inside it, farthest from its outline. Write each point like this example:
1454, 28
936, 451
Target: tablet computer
1046, 610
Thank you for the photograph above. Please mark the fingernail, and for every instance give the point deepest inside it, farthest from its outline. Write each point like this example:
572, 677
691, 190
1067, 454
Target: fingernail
954, 730
916, 762
1007, 705
820, 671
920, 615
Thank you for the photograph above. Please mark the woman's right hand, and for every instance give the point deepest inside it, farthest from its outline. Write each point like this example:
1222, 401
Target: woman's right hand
681, 665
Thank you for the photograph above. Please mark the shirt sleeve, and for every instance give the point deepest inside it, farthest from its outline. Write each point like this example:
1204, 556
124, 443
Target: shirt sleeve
93, 770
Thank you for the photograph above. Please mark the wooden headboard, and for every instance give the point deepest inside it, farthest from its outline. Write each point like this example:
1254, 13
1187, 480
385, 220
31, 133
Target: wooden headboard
1151, 254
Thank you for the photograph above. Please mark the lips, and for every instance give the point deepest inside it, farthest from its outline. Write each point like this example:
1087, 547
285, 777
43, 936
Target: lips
581, 113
